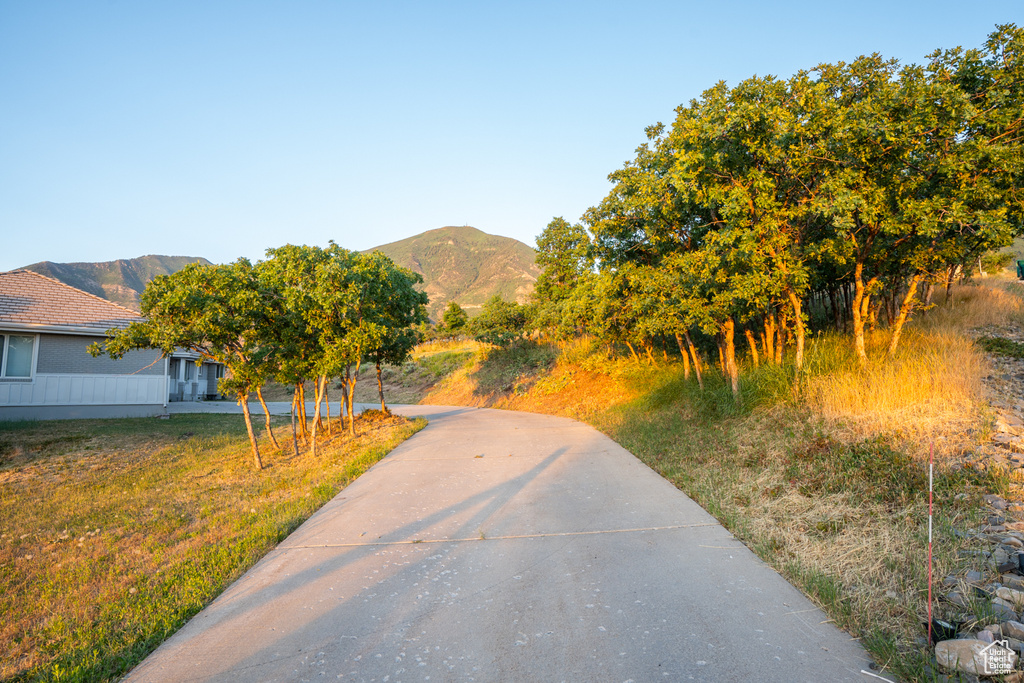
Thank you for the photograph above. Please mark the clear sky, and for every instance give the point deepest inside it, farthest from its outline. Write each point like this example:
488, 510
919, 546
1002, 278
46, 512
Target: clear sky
220, 129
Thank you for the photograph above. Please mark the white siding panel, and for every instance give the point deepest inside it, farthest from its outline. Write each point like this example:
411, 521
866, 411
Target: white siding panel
78, 389
64, 391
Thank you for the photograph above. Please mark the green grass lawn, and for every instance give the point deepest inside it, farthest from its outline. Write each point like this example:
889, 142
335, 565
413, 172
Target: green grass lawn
114, 532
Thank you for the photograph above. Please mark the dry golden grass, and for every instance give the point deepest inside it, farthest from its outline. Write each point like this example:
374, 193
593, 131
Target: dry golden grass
930, 393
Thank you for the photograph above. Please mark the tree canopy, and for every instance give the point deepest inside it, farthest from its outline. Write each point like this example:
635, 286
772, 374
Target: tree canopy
843, 189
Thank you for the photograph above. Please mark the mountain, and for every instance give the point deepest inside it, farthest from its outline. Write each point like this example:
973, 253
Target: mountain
466, 265
120, 281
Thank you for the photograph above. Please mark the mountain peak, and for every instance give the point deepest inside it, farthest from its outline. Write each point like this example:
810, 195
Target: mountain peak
463, 264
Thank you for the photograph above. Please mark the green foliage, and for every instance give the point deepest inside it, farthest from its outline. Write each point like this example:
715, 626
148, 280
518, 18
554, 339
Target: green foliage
993, 262
1002, 347
445, 363
500, 322
862, 178
502, 369
455, 320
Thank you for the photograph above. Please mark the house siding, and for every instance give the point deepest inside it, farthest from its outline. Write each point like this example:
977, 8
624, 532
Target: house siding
65, 354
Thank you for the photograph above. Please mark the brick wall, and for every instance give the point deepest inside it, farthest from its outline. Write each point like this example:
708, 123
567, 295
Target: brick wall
63, 353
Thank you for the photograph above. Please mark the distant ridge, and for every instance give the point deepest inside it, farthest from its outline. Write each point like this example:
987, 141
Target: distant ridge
466, 265
120, 281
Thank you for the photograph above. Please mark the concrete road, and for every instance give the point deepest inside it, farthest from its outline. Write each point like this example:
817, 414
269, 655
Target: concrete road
503, 546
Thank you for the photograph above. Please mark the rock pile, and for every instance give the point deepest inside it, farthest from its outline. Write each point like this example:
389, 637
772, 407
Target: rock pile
988, 606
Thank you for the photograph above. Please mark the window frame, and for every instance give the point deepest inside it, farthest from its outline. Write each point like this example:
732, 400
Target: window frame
5, 343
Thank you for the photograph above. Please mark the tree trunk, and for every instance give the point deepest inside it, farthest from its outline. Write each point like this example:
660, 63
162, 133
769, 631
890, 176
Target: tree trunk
950, 273
303, 425
836, 315
861, 300
266, 413
243, 400
318, 396
721, 357
981, 269
753, 347
327, 403
908, 304
380, 389
769, 338
295, 434
685, 355
729, 334
696, 360
780, 336
351, 388
633, 351
798, 320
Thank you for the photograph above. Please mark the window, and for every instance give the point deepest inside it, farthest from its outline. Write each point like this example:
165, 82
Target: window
16, 355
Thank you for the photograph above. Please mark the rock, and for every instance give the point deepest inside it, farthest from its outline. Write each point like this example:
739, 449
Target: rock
1008, 566
994, 529
972, 656
957, 599
1011, 541
974, 576
1013, 629
1014, 597
1011, 581
995, 520
986, 636
1003, 610
994, 501
950, 581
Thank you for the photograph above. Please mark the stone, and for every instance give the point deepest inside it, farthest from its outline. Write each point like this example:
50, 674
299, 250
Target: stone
1012, 542
994, 501
993, 520
1014, 597
971, 656
1013, 629
1011, 581
974, 576
1003, 610
957, 599
950, 581
986, 636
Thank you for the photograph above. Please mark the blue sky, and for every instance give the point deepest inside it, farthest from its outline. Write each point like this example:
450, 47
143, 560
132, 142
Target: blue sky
221, 129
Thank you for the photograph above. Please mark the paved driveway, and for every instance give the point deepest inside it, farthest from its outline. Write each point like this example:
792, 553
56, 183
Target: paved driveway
504, 546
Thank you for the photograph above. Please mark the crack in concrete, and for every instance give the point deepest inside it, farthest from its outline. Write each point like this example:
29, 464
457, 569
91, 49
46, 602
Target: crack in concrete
417, 541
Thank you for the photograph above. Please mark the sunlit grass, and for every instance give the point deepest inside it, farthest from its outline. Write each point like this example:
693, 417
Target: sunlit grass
114, 532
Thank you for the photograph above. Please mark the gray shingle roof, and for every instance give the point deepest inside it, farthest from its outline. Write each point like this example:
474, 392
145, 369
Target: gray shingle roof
28, 298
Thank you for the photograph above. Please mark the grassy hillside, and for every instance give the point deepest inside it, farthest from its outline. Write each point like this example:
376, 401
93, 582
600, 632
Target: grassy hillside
466, 265
120, 281
827, 480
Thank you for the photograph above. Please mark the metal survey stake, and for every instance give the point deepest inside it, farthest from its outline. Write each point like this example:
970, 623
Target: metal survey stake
931, 466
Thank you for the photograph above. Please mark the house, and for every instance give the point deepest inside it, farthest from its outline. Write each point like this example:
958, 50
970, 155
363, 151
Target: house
46, 371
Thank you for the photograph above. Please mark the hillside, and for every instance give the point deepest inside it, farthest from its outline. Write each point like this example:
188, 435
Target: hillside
466, 265
120, 281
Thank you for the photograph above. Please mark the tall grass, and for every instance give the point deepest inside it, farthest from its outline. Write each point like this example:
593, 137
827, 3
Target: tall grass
930, 392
